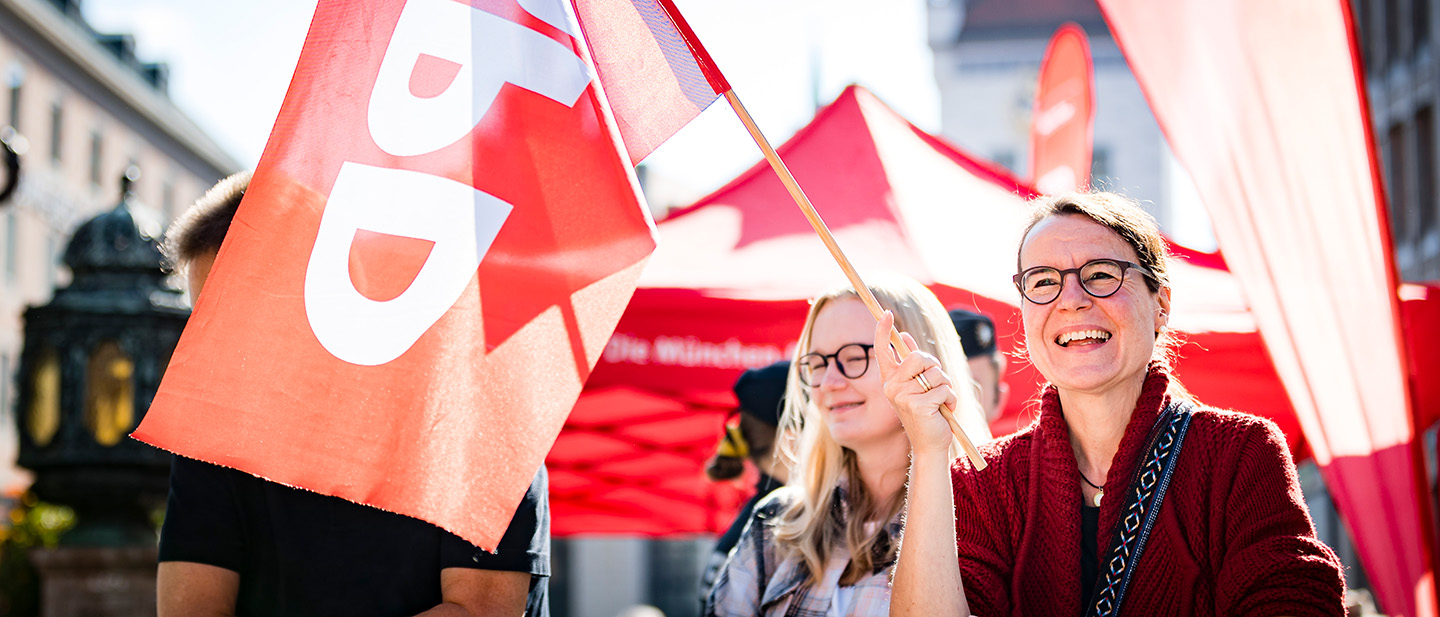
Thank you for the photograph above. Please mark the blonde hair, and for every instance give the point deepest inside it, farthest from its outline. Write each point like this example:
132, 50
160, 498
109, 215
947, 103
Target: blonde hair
811, 527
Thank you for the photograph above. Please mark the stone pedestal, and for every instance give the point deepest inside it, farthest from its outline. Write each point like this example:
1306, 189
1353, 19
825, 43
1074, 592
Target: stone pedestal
96, 581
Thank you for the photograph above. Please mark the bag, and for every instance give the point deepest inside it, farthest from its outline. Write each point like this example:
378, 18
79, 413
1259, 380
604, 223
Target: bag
1143, 501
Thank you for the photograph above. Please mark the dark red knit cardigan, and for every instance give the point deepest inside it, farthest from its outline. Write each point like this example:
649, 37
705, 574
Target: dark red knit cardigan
1232, 538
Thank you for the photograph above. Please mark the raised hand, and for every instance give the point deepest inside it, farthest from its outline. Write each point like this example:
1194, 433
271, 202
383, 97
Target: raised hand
917, 388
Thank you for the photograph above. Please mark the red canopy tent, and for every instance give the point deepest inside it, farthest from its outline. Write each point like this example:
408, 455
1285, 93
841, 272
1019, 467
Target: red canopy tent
728, 285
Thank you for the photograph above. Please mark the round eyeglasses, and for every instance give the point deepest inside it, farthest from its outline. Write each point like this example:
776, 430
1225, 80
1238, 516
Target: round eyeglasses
852, 360
1100, 278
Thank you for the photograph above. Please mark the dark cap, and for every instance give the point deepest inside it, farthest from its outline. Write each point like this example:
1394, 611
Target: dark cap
761, 390
977, 332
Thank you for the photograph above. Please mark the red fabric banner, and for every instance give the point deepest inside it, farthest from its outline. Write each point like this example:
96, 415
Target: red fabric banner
657, 77
729, 285
1262, 102
1062, 131
437, 243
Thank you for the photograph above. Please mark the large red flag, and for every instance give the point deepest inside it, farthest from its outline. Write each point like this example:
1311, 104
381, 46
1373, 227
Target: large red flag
1261, 101
1062, 133
657, 76
435, 248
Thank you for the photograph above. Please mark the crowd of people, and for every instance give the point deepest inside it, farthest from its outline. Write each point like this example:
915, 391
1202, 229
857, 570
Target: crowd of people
1125, 494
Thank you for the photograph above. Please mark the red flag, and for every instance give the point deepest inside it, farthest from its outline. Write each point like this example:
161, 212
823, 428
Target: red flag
1262, 102
435, 248
1062, 134
657, 76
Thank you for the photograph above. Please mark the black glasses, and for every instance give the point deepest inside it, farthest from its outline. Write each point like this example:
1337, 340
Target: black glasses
852, 360
1100, 278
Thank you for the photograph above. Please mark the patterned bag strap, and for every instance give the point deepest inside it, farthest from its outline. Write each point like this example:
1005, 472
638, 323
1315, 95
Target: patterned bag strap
1146, 494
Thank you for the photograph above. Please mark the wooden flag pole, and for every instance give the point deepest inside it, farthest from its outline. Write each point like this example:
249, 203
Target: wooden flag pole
825, 236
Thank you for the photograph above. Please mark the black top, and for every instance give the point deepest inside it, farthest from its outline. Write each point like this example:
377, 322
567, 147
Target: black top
731, 537
1089, 554
306, 554
764, 486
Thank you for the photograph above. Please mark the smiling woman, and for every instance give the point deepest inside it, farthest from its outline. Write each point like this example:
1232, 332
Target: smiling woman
825, 544
1214, 520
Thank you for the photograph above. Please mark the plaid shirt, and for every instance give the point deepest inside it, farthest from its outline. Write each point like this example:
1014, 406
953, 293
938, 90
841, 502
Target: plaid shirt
755, 581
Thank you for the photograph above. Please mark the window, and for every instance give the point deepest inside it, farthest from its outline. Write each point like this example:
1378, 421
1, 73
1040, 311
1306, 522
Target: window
42, 417
1391, 32
1004, 158
57, 122
167, 200
1099, 166
109, 394
12, 238
1425, 163
1420, 25
4, 384
1362, 33
51, 260
97, 151
1395, 169
14, 79
15, 106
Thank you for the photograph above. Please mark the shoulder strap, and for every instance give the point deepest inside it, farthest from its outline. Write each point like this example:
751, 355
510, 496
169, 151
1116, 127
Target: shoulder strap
1143, 500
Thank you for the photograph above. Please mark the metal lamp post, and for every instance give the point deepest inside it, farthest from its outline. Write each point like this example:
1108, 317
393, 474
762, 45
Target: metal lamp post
91, 363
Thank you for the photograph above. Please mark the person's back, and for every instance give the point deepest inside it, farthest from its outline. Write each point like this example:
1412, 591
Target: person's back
302, 553
235, 544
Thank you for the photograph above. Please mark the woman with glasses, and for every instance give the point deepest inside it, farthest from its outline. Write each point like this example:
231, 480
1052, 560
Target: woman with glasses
1125, 496
825, 544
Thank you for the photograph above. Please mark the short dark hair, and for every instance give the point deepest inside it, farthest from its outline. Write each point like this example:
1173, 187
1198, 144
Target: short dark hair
202, 228
1136, 227
1122, 215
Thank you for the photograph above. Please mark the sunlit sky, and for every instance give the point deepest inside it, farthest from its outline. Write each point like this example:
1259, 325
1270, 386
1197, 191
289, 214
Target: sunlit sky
231, 62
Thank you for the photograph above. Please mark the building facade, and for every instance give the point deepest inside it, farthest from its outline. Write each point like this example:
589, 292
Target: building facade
83, 109
1402, 76
987, 58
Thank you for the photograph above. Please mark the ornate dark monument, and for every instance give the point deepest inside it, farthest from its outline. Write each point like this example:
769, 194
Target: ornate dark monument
91, 363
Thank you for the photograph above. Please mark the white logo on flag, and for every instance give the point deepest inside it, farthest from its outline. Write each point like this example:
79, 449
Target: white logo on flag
461, 221
491, 51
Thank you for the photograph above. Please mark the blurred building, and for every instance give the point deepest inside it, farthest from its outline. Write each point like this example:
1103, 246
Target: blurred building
87, 109
1402, 76
987, 58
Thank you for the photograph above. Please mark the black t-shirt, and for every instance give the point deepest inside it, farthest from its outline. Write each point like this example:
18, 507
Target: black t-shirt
306, 554
764, 486
1089, 554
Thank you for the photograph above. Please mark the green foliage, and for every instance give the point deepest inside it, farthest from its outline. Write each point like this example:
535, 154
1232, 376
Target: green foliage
29, 524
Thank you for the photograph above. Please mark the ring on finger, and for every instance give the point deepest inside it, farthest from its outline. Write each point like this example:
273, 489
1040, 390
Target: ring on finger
924, 383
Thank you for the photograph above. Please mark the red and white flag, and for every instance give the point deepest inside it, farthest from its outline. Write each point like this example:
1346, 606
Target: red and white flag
656, 74
437, 244
1062, 134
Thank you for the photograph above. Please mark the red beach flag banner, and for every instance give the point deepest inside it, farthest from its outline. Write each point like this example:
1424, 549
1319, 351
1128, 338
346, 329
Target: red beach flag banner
435, 248
1062, 134
656, 74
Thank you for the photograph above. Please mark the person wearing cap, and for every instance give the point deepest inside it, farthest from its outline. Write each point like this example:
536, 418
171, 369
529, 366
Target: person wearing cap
987, 364
760, 392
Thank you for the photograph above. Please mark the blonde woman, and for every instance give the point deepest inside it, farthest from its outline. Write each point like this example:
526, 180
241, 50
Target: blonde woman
824, 545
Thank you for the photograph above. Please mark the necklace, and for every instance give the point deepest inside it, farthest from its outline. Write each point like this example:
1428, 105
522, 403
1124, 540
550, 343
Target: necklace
1100, 488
